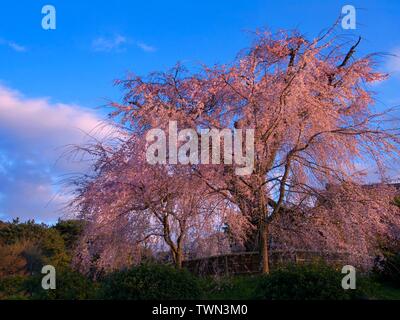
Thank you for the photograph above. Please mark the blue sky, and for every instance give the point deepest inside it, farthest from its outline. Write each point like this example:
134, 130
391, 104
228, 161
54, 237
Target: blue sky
51, 81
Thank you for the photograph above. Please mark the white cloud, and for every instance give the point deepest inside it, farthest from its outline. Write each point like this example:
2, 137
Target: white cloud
16, 47
13, 45
108, 44
35, 120
118, 43
33, 136
145, 47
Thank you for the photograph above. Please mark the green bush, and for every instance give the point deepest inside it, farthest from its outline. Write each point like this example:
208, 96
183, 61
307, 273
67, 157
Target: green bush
70, 231
33, 245
305, 282
70, 285
13, 288
229, 287
146, 282
387, 267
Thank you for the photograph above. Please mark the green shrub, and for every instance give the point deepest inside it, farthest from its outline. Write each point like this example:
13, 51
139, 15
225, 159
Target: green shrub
229, 287
32, 245
13, 288
70, 231
305, 282
70, 285
387, 267
146, 282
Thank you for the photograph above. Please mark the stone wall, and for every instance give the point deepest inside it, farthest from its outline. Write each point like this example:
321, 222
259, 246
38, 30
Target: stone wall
249, 263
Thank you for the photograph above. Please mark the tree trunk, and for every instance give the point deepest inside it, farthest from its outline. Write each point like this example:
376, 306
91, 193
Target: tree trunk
178, 258
264, 253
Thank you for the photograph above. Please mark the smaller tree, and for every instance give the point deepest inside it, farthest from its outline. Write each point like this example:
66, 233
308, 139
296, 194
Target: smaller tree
140, 204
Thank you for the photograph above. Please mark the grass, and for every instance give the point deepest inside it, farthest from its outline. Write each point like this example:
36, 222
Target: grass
244, 288
385, 291
230, 288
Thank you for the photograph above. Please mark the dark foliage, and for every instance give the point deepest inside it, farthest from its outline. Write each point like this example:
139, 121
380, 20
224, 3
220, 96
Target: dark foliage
70, 231
70, 285
150, 282
305, 282
26, 247
387, 266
